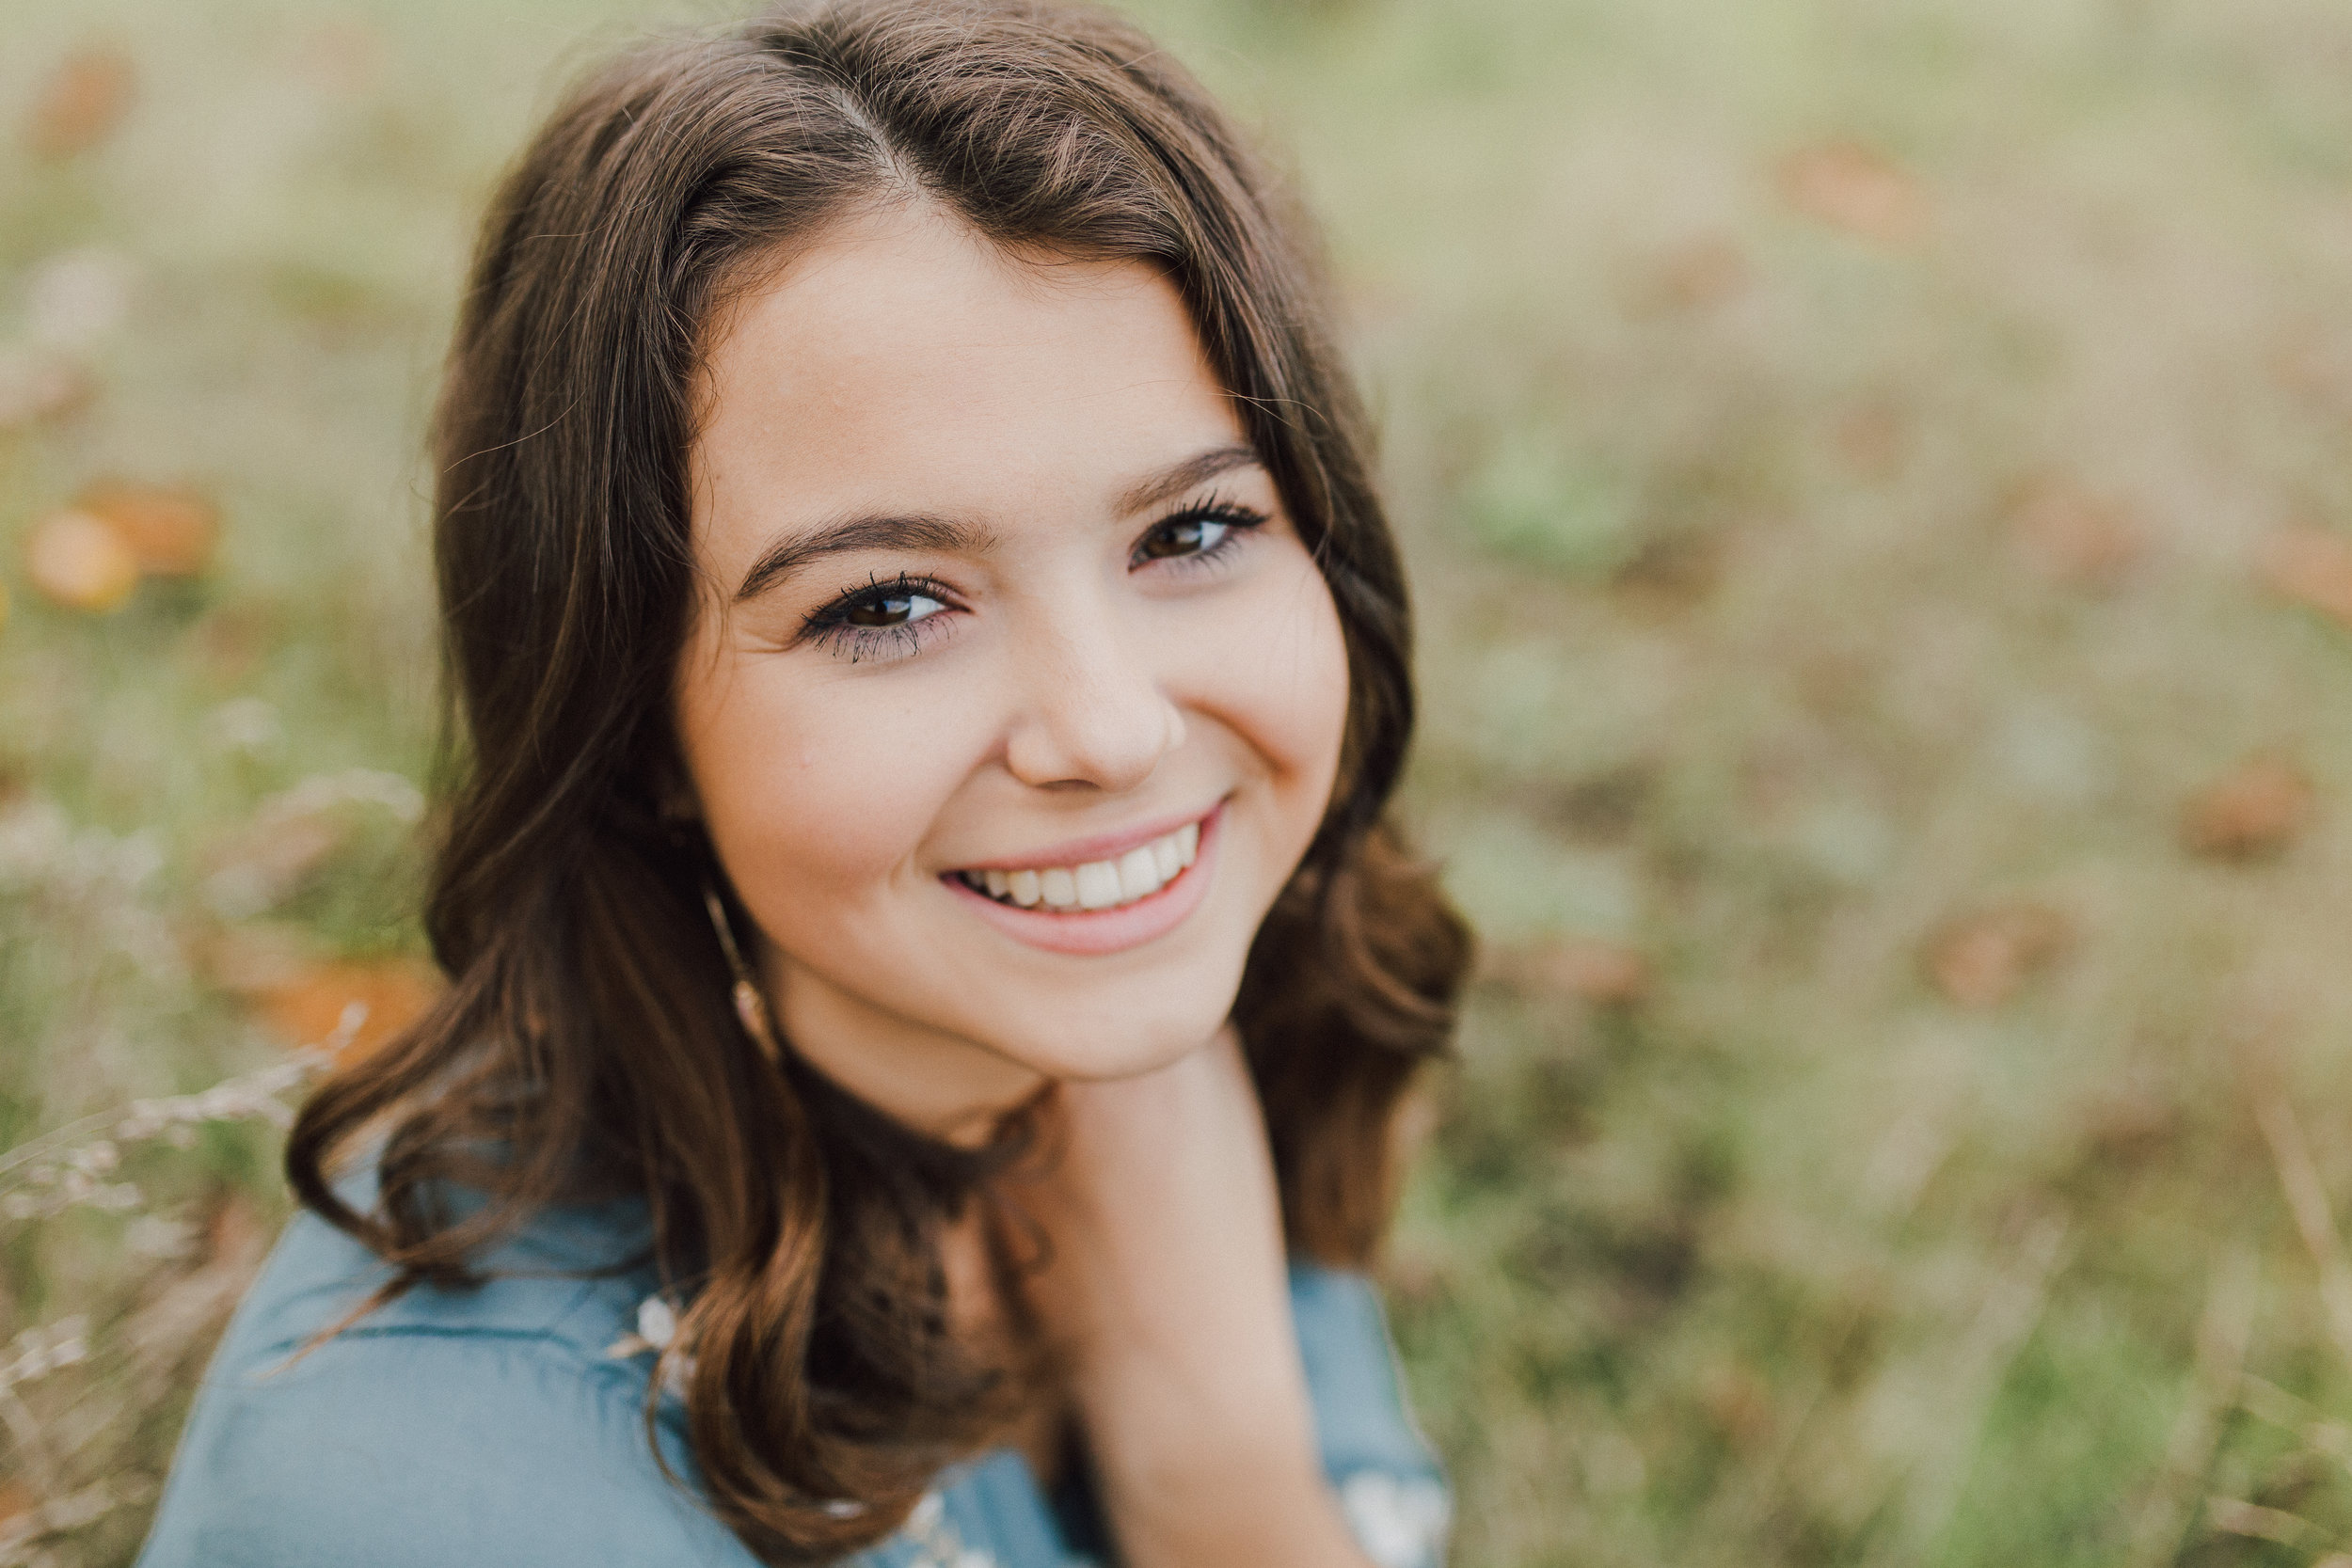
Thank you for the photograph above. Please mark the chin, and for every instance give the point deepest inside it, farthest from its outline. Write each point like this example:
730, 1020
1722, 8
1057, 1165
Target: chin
1099, 1049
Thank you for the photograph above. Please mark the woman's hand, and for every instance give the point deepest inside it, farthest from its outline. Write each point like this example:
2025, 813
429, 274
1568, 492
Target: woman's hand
1167, 1291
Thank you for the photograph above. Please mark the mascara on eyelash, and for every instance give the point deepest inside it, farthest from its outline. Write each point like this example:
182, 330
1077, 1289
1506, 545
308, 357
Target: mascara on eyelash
835, 612
1233, 514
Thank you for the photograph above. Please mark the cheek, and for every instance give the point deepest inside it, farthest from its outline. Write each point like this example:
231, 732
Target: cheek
1281, 684
812, 794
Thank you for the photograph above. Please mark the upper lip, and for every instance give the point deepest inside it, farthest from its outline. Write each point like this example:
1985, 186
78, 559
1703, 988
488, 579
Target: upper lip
1102, 847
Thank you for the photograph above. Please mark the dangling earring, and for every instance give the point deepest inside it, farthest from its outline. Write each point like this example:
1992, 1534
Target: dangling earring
750, 1007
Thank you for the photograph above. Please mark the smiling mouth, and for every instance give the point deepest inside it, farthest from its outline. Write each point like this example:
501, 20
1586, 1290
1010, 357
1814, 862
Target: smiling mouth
1095, 885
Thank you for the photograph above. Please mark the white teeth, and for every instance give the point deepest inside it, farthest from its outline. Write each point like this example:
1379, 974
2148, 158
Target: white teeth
1097, 884
1139, 875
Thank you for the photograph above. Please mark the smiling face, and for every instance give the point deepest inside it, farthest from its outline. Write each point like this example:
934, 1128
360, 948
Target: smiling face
1013, 698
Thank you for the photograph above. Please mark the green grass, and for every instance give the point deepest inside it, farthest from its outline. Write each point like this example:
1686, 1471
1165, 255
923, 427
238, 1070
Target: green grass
1735, 660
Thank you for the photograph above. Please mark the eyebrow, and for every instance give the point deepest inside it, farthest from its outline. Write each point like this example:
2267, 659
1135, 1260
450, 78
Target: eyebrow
1177, 478
888, 532
865, 532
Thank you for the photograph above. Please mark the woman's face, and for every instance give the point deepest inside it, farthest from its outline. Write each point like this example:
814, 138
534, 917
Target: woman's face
1012, 698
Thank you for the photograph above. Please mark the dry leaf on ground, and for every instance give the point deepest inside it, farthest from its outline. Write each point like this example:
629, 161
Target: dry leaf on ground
1848, 186
2257, 811
81, 105
81, 562
171, 530
1981, 959
2311, 566
308, 1008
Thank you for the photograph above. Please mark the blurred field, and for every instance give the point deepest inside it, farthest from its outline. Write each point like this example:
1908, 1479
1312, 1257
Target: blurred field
1876, 478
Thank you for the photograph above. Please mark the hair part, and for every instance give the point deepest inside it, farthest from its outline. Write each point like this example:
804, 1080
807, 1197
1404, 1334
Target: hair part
586, 1037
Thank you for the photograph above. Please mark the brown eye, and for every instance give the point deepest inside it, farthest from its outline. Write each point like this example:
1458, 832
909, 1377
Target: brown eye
889, 607
1182, 537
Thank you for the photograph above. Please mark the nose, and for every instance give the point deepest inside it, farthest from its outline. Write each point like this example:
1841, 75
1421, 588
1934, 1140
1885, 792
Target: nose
1095, 711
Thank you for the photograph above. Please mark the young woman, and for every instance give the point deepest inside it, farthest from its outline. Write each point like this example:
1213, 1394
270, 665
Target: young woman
929, 973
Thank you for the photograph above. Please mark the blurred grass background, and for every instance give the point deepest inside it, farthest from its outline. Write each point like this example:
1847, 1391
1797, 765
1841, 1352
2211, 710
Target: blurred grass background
1875, 475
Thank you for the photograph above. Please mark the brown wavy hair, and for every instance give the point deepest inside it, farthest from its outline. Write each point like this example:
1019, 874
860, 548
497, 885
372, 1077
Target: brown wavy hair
585, 1045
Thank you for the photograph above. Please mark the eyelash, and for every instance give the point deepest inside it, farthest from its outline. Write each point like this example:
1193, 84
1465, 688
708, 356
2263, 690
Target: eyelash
1238, 520
830, 624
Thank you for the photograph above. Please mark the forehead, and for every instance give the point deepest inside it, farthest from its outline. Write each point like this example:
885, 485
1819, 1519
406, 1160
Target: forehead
905, 360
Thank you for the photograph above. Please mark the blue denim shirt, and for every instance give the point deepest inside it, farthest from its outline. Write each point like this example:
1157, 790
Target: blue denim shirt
506, 1425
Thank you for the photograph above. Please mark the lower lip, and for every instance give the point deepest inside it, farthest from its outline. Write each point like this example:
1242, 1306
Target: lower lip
1093, 932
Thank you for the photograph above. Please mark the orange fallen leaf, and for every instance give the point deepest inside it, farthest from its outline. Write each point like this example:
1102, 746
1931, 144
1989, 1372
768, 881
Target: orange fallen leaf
16, 1500
81, 105
2311, 566
1848, 186
307, 1009
1981, 959
81, 562
2073, 536
171, 531
2256, 812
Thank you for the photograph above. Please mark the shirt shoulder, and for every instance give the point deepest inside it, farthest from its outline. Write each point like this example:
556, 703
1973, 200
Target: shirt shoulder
508, 1423
503, 1424
447, 1427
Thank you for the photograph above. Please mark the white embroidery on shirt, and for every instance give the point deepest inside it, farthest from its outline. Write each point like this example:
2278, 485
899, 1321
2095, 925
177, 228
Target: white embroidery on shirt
1400, 1521
936, 1541
657, 1325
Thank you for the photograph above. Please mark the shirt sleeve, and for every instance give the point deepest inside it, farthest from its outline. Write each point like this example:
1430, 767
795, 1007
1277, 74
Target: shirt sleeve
414, 1449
